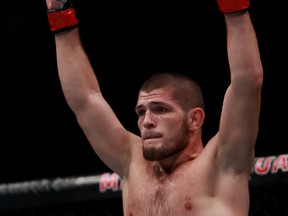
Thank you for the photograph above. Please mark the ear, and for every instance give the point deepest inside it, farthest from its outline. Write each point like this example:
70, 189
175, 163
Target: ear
196, 118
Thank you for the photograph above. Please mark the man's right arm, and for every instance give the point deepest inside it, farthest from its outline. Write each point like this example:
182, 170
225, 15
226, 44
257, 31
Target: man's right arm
80, 86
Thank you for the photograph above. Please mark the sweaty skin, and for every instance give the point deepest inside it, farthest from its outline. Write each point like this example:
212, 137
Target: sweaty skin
167, 171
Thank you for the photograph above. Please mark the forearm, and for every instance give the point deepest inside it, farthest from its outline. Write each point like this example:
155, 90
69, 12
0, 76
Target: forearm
76, 74
243, 51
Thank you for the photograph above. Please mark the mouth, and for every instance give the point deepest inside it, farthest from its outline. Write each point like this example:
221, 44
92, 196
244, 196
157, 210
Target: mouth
149, 136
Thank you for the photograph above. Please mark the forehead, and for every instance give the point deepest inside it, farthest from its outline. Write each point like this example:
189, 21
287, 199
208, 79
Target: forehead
157, 95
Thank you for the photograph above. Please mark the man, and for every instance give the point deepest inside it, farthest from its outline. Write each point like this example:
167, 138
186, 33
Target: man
168, 171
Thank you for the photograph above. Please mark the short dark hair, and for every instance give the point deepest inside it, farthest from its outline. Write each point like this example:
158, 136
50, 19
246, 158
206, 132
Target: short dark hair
185, 90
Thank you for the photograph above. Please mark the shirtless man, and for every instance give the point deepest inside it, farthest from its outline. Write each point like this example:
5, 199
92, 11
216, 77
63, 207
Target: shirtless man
169, 171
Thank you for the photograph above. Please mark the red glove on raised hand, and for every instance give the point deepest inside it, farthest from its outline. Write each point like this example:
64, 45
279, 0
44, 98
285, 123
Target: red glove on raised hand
230, 6
61, 15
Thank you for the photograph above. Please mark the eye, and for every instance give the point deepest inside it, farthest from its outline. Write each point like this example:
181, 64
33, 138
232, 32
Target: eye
140, 112
160, 110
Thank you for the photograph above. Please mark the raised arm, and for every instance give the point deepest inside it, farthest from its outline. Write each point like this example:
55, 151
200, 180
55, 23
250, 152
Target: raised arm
106, 134
238, 128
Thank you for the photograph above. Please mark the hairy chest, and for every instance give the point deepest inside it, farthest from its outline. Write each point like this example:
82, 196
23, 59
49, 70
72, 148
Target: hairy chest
161, 195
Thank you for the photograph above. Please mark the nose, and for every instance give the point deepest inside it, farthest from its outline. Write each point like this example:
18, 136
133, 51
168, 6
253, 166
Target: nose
149, 120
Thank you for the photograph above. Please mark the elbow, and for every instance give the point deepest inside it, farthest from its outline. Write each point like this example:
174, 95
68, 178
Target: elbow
257, 78
253, 77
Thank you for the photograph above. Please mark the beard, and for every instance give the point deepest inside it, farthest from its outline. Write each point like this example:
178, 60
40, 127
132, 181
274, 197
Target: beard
168, 147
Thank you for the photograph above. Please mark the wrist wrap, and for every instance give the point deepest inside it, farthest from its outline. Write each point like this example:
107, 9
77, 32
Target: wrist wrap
230, 6
62, 18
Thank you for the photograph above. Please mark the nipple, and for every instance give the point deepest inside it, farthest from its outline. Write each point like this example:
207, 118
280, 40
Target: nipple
188, 204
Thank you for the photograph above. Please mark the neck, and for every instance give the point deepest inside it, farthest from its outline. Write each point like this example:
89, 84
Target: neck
169, 165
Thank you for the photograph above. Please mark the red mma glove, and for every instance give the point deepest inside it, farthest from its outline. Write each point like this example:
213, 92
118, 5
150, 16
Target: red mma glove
62, 18
230, 6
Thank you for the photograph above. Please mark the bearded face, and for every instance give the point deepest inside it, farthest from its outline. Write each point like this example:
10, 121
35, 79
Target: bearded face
169, 144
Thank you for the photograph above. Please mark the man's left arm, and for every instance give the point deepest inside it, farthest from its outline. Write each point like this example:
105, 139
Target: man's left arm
239, 121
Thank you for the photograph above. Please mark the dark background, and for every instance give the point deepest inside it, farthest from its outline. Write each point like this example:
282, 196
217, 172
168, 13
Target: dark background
126, 44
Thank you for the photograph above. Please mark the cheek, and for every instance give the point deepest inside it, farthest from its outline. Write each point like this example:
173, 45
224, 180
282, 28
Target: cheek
173, 126
139, 123
178, 124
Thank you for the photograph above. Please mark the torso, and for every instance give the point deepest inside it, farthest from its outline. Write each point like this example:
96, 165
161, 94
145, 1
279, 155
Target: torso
193, 189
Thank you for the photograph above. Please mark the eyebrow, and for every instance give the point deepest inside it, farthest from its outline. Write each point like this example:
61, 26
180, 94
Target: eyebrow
151, 103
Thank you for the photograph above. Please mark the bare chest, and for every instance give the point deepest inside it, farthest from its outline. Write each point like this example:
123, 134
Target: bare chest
169, 196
